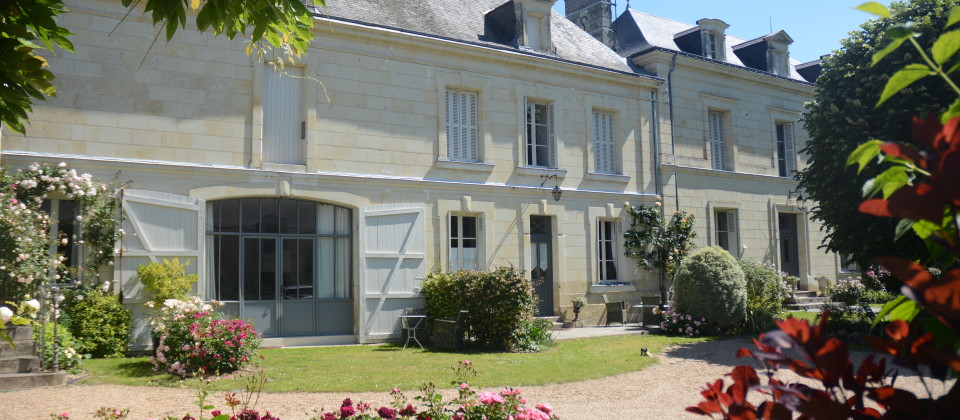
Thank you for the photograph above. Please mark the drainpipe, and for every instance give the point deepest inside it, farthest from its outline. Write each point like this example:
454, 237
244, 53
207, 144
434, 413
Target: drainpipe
658, 188
673, 132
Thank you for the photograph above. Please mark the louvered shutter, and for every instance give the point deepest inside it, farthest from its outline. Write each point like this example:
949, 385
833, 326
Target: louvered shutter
791, 156
732, 232
282, 116
716, 140
472, 143
453, 132
604, 151
552, 138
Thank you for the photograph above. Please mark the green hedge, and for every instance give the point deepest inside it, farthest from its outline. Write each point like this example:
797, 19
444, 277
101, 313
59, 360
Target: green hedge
500, 304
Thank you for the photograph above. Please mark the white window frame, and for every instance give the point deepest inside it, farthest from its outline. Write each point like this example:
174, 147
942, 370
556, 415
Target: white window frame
532, 128
778, 62
716, 129
458, 235
604, 255
462, 126
786, 149
847, 265
713, 45
726, 231
604, 144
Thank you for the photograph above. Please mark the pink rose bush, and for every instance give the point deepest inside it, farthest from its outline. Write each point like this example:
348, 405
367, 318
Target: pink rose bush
193, 339
676, 323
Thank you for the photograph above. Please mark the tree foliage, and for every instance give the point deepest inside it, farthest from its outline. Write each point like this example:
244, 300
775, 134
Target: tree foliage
280, 29
842, 116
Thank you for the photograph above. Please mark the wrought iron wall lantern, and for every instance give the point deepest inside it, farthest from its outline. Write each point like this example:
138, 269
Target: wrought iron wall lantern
795, 195
556, 192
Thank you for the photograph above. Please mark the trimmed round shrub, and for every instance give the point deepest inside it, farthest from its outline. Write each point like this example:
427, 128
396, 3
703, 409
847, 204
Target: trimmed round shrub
710, 284
99, 322
500, 303
442, 294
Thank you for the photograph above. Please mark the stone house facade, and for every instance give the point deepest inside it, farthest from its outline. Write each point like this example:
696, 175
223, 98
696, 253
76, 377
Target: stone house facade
414, 136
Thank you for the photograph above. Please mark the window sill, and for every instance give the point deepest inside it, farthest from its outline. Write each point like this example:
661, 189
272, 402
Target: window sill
540, 171
465, 166
609, 288
596, 176
280, 167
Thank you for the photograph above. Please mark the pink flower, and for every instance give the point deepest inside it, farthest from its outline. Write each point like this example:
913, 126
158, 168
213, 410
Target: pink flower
490, 398
464, 386
546, 408
531, 414
395, 391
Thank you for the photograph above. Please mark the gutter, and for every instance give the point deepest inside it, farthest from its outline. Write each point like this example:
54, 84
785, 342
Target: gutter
673, 132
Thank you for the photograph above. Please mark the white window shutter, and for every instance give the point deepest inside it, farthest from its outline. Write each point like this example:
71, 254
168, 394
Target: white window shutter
733, 233
552, 139
604, 150
473, 142
791, 155
282, 116
716, 140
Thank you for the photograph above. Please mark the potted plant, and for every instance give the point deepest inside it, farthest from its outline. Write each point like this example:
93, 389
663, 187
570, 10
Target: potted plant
579, 303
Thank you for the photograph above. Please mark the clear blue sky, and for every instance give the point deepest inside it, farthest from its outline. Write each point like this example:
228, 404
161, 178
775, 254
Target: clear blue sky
816, 26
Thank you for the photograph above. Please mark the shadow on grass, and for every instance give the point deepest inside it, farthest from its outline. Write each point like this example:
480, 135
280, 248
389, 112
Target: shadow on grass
136, 369
397, 347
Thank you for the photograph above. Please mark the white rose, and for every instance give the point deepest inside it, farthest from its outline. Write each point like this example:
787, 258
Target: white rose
5, 314
33, 303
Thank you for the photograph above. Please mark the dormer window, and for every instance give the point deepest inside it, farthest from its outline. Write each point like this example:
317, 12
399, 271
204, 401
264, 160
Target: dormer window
711, 37
533, 25
778, 62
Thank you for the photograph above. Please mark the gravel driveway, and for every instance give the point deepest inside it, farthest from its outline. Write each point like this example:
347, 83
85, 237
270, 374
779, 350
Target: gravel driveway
658, 392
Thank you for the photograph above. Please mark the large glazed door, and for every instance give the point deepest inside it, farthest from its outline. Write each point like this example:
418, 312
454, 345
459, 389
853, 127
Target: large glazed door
789, 254
157, 226
541, 258
391, 267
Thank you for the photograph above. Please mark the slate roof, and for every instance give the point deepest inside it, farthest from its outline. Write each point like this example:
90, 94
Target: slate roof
464, 21
639, 32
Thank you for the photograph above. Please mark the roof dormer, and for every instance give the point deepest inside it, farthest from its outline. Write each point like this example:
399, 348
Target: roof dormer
706, 39
769, 53
534, 16
521, 23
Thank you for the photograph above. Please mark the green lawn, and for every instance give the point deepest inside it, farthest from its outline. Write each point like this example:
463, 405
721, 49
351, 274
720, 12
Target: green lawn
382, 367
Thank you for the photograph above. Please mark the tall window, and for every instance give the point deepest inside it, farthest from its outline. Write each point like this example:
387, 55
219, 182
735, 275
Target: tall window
65, 228
463, 242
607, 233
270, 249
541, 142
283, 125
711, 46
534, 26
778, 62
604, 150
462, 144
786, 156
726, 222
717, 141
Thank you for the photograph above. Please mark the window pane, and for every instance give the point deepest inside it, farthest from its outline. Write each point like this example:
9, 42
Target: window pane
268, 269
469, 243
469, 227
308, 217
251, 214
229, 220
305, 268
270, 215
227, 260
288, 216
343, 268
251, 269
343, 221
290, 263
455, 226
325, 269
326, 219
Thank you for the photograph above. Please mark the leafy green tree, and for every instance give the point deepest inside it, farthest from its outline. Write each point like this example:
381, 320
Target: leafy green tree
279, 28
657, 245
843, 115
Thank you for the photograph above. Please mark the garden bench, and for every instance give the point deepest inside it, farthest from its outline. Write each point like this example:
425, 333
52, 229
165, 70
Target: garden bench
616, 311
450, 332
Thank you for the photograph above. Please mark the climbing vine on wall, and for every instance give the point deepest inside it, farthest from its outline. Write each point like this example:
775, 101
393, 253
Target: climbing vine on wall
654, 243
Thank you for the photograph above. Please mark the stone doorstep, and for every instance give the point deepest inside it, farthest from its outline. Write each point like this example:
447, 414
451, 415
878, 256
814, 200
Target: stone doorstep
13, 381
20, 332
22, 348
21, 364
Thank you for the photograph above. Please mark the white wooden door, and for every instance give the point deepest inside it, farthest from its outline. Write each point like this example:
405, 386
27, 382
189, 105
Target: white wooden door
392, 267
157, 226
